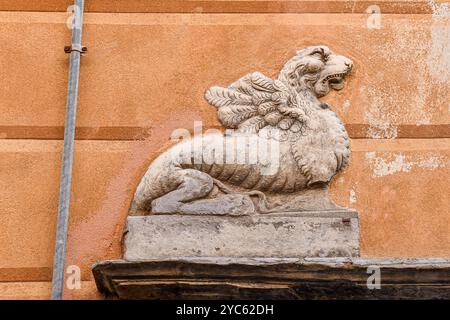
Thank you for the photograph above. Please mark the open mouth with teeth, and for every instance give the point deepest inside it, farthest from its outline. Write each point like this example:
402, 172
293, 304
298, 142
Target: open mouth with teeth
335, 81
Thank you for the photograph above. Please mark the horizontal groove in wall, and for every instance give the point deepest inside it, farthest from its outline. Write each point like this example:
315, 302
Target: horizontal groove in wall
25, 274
113, 146
355, 131
81, 133
225, 6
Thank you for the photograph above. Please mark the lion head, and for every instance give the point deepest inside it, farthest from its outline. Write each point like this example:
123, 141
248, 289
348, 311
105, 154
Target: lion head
316, 69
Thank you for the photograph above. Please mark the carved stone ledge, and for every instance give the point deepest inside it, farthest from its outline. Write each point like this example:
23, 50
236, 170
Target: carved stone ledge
332, 233
315, 278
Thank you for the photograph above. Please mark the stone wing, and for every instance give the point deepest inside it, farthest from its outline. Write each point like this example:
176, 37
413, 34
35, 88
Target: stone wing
254, 102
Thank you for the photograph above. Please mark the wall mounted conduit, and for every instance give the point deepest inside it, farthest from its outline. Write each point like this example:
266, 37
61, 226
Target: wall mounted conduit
75, 51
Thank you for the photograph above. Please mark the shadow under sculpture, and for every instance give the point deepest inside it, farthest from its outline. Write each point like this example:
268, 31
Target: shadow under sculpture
260, 189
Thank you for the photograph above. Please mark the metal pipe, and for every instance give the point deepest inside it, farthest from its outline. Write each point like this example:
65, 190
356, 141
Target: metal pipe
67, 160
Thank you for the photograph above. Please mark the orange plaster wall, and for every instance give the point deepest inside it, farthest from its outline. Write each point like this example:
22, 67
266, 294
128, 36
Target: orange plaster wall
144, 76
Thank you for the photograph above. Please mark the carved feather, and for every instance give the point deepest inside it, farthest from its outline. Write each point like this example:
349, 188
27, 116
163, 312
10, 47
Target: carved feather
252, 125
285, 123
297, 126
261, 82
219, 97
251, 103
266, 107
246, 86
232, 115
273, 118
265, 96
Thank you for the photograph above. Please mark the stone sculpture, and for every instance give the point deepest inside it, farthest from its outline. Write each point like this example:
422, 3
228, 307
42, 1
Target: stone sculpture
282, 147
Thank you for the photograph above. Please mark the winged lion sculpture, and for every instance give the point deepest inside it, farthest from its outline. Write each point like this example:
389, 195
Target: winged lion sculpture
305, 145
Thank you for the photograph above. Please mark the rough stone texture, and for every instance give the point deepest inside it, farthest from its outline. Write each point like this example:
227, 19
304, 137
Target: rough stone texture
326, 278
309, 234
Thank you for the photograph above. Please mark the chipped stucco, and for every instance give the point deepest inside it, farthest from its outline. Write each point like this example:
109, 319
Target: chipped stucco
407, 47
384, 165
439, 57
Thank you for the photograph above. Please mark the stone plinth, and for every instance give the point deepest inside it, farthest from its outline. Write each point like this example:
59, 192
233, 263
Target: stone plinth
285, 235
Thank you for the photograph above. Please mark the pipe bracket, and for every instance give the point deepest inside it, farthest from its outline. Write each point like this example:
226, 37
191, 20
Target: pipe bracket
80, 49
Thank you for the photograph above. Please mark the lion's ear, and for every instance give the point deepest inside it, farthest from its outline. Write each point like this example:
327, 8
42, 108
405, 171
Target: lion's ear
325, 49
319, 48
306, 51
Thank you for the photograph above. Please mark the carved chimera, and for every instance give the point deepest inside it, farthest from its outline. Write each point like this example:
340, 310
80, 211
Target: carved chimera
256, 191
308, 146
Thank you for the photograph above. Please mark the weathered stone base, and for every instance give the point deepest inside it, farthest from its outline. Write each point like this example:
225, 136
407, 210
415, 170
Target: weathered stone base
314, 278
291, 235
